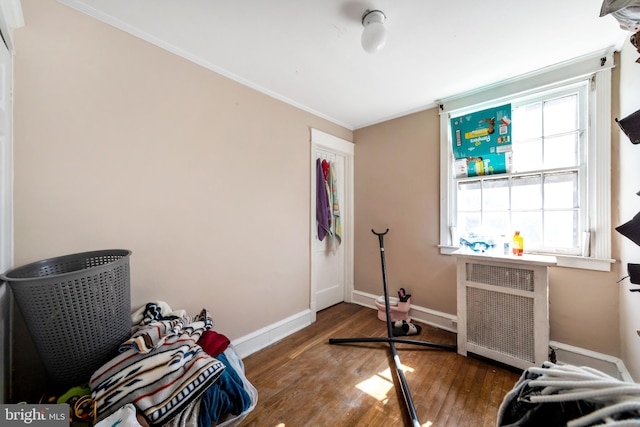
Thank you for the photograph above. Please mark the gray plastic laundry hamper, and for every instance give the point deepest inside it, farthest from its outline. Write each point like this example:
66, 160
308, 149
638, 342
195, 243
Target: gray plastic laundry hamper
77, 308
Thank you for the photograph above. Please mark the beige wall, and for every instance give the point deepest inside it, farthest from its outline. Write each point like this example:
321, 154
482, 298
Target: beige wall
119, 143
397, 180
397, 186
583, 309
627, 162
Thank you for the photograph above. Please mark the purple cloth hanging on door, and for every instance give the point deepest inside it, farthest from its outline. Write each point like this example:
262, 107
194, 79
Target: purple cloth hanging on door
323, 210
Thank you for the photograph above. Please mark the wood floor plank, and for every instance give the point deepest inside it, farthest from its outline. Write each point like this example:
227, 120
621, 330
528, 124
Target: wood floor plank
473, 408
494, 397
455, 397
304, 381
504, 384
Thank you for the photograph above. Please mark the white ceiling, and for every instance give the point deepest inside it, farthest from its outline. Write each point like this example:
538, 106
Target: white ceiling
308, 53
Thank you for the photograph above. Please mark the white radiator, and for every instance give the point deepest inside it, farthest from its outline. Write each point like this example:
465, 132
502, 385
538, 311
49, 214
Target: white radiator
503, 307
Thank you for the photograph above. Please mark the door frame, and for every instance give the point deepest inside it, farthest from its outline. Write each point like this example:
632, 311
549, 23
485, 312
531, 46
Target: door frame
11, 17
344, 148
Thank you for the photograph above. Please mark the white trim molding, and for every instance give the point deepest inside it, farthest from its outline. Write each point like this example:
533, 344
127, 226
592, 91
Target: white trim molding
599, 165
270, 334
82, 6
577, 356
341, 147
11, 17
437, 319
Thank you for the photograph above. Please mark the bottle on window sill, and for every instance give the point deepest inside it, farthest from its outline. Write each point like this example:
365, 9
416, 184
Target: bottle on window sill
517, 245
505, 244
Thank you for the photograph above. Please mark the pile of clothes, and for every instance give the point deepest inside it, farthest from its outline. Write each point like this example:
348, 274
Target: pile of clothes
175, 370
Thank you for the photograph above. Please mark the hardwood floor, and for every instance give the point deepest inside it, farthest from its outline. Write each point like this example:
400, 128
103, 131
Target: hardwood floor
305, 381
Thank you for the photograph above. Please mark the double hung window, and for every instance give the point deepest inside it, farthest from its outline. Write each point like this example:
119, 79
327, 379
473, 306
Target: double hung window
557, 168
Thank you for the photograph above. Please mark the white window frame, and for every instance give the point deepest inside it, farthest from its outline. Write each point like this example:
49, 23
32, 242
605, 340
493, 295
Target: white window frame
596, 66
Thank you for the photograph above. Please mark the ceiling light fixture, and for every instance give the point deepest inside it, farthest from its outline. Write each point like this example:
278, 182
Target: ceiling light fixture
374, 35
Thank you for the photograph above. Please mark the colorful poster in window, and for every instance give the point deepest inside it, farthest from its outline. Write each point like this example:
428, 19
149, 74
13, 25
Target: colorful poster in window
488, 164
481, 142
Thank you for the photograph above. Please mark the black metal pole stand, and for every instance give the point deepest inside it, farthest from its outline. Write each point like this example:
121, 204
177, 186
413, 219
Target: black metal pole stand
391, 340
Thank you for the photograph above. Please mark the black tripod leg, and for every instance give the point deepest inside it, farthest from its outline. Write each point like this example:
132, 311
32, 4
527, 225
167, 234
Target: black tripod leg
391, 340
384, 281
451, 347
406, 394
355, 340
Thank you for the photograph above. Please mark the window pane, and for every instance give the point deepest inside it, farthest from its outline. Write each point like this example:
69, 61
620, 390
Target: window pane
468, 222
497, 223
495, 194
527, 155
560, 229
561, 151
469, 196
526, 192
527, 122
560, 115
530, 226
561, 190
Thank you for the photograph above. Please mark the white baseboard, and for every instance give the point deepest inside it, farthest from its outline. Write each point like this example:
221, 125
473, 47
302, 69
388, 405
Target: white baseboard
571, 355
434, 318
270, 334
565, 353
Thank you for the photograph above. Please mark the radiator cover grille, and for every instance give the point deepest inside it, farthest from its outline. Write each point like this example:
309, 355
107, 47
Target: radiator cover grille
503, 310
501, 322
507, 277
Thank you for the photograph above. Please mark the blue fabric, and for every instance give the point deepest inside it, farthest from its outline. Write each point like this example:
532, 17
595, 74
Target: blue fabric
226, 395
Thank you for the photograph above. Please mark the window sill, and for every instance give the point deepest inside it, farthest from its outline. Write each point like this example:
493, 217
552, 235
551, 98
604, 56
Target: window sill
447, 250
567, 261
585, 263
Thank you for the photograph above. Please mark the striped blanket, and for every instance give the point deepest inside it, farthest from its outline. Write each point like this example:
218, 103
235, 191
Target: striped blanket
160, 369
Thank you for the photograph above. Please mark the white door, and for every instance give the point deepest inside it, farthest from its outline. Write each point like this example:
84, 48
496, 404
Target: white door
6, 212
6, 159
328, 256
331, 264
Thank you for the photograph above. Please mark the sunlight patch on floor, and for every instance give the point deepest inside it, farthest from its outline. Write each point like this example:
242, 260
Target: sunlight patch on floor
427, 424
378, 385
